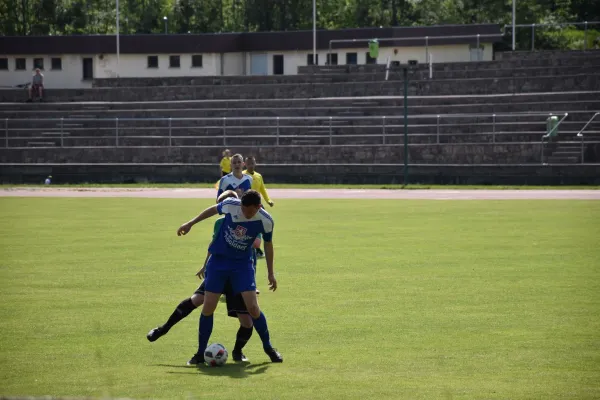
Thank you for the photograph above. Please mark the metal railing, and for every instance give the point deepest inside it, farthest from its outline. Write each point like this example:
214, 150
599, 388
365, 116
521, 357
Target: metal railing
533, 26
227, 127
476, 38
548, 135
580, 134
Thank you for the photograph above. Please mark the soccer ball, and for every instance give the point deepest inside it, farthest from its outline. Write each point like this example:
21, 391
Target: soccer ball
216, 355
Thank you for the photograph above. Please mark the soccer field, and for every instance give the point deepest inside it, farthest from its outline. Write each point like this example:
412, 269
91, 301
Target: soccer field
399, 299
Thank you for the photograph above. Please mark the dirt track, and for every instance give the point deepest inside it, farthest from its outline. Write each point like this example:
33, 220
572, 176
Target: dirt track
312, 193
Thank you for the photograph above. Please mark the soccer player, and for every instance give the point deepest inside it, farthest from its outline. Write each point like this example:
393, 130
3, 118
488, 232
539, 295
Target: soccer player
235, 305
230, 259
236, 180
225, 163
258, 184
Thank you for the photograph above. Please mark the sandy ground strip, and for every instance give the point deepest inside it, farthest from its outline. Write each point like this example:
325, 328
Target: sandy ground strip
427, 194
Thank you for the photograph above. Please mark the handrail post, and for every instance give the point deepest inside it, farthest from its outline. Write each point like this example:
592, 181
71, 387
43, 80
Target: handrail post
478, 58
62, 121
277, 131
493, 128
117, 132
542, 156
438, 129
170, 139
6, 130
580, 134
330, 133
426, 49
532, 37
224, 131
585, 38
383, 129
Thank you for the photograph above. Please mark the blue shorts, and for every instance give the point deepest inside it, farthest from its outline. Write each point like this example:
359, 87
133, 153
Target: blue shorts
220, 269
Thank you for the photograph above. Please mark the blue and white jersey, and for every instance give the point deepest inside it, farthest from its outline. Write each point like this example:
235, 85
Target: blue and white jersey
236, 236
230, 182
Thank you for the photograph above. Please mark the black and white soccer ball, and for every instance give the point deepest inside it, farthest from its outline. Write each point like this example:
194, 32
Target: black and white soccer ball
216, 355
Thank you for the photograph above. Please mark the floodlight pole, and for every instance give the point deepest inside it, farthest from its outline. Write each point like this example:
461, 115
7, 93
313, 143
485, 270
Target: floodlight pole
314, 32
514, 27
405, 70
118, 44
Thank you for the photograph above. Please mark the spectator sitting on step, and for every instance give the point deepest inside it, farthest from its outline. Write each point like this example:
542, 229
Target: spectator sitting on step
37, 85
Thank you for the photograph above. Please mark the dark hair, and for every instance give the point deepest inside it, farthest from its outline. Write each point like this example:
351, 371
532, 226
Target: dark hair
251, 198
250, 158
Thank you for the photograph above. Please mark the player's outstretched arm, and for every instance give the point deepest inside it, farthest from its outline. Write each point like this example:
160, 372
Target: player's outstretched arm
209, 212
263, 191
269, 255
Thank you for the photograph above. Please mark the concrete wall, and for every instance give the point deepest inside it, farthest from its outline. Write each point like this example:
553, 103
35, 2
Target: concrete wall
540, 84
69, 77
233, 64
136, 65
450, 153
330, 173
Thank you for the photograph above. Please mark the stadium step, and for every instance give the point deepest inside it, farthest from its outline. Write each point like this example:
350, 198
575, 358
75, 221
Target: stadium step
41, 144
333, 122
563, 160
306, 141
69, 124
365, 103
55, 133
351, 113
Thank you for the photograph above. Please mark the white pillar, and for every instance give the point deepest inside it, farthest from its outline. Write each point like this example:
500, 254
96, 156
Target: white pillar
118, 47
315, 32
514, 18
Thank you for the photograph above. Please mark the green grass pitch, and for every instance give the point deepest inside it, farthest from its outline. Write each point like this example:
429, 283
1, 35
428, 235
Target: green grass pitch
377, 299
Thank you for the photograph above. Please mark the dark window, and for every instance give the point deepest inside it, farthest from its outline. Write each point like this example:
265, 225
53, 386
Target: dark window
371, 60
309, 59
332, 59
197, 61
56, 63
152, 61
20, 63
174, 62
351, 58
38, 63
88, 68
278, 64
395, 63
3, 63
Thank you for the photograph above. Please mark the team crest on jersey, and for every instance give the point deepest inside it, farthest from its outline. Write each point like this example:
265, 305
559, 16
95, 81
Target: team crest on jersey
240, 232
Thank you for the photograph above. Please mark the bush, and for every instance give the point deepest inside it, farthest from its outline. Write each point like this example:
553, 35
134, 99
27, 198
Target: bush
566, 39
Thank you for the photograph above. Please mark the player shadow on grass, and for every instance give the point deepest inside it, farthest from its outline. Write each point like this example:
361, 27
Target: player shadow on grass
233, 370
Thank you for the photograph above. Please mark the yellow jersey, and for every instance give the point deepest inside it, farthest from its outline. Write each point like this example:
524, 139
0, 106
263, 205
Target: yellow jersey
258, 184
226, 164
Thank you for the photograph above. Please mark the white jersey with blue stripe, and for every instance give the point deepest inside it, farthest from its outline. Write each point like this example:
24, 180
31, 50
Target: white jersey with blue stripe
230, 182
237, 233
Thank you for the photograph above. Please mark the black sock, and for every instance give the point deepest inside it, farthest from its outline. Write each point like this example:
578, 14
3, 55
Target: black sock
243, 335
183, 310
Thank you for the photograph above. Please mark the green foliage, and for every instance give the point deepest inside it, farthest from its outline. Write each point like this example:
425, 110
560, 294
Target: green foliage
570, 39
43, 17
